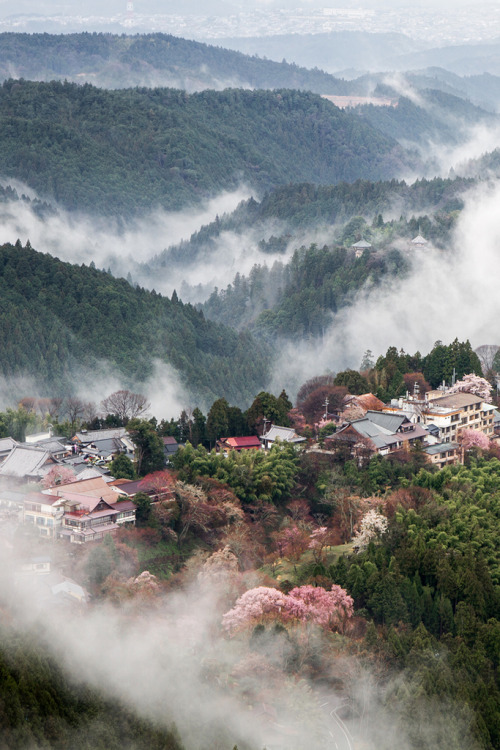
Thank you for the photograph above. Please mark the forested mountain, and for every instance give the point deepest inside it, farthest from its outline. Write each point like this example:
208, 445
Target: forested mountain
294, 287
438, 117
57, 318
120, 61
296, 207
298, 299
482, 90
123, 151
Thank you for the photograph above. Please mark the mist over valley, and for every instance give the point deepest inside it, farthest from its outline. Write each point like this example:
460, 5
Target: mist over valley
249, 366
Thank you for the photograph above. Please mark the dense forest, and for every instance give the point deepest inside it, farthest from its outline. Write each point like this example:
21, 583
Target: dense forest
297, 296
56, 317
432, 116
41, 707
338, 215
123, 151
121, 61
297, 299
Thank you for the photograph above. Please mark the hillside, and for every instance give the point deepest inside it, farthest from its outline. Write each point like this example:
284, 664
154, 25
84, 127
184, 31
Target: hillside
438, 117
120, 61
123, 151
58, 319
292, 211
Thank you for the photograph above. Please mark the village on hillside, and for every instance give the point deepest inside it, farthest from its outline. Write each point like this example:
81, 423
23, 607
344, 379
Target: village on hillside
64, 489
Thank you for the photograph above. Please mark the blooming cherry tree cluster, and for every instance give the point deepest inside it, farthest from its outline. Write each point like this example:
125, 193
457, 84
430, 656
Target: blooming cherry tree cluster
304, 604
474, 439
373, 525
473, 384
328, 609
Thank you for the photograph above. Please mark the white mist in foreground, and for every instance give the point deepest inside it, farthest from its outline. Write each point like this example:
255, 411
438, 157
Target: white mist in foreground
448, 295
168, 660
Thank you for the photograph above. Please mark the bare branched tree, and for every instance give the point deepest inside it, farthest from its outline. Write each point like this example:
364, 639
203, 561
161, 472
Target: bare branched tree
486, 354
74, 409
53, 407
125, 404
90, 411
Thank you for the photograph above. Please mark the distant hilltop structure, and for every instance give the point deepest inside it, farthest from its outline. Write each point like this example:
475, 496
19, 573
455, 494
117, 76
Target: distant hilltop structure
360, 247
344, 102
419, 241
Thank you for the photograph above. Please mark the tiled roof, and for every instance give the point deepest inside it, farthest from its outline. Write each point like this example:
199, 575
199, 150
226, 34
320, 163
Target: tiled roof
93, 435
285, 434
24, 462
242, 442
96, 487
441, 448
7, 444
390, 422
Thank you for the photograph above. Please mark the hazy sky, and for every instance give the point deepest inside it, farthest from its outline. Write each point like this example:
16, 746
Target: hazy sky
207, 7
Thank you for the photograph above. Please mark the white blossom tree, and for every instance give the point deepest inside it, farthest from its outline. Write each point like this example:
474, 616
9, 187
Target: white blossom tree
373, 525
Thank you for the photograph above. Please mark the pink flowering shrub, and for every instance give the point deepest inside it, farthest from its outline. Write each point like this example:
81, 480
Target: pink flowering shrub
304, 604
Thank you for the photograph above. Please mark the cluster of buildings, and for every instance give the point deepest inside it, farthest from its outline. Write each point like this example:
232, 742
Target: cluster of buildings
81, 501
434, 421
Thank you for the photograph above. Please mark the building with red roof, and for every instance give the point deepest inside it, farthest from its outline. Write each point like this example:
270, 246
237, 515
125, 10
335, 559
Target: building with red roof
239, 443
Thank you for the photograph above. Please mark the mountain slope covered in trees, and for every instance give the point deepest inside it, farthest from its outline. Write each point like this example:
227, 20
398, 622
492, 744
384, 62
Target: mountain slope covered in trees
304, 206
120, 61
434, 116
56, 317
123, 151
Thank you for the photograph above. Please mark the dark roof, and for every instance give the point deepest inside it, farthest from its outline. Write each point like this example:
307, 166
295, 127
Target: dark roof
441, 448
124, 505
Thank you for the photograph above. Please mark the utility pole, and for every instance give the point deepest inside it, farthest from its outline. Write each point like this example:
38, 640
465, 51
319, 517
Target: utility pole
264, 428
325, 415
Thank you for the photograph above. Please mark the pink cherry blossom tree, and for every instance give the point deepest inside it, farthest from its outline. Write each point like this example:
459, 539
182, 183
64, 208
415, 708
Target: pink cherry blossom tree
255, 606
291, 542
58, 475
473, 384
328, 609
319, 540
303, 605
474, 439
